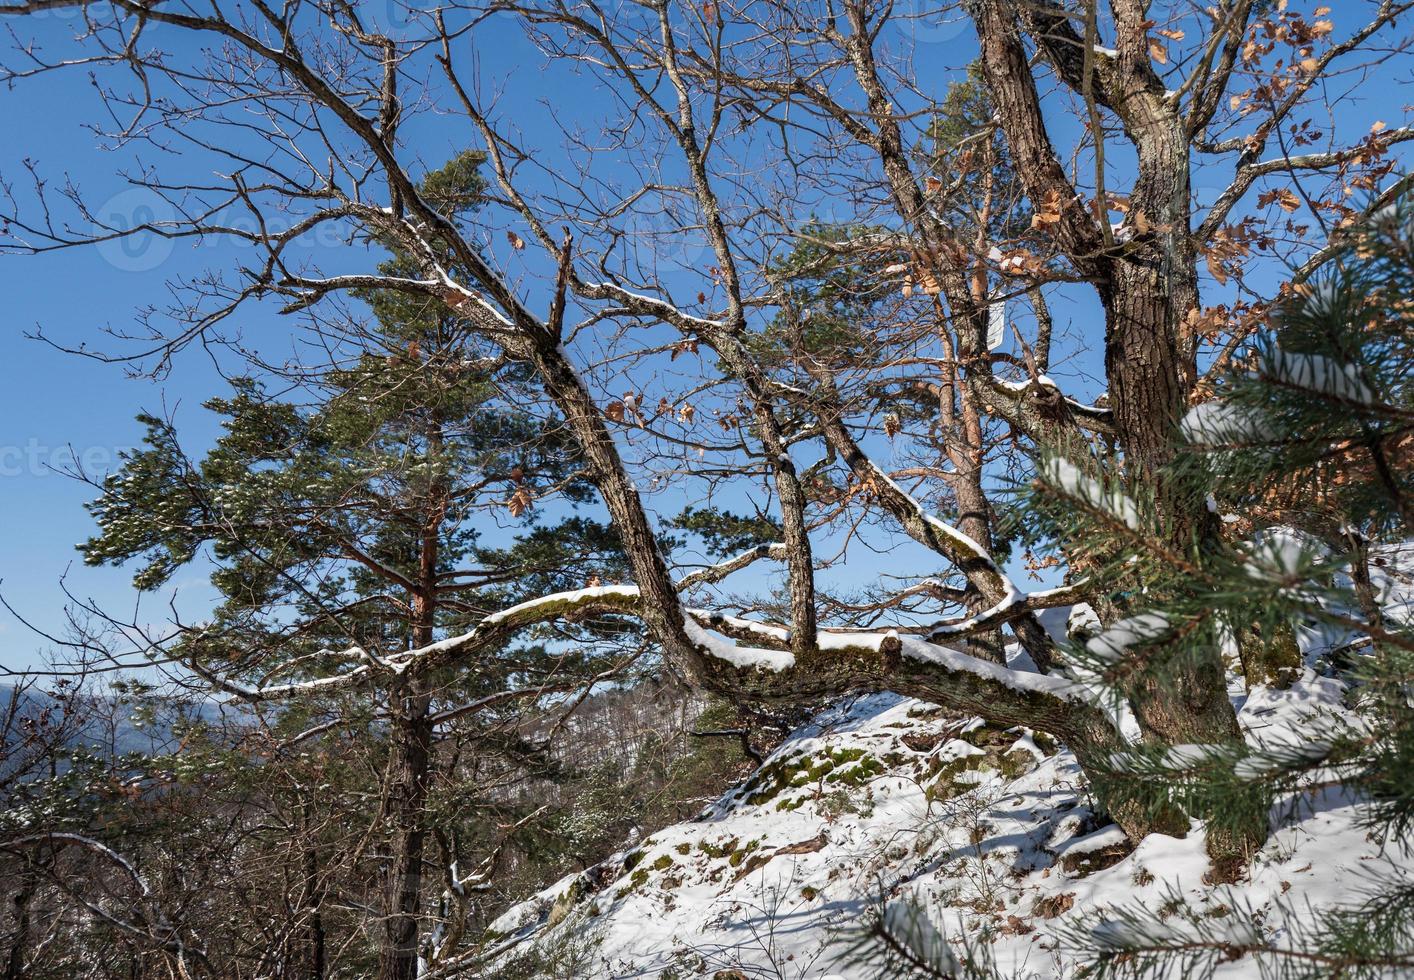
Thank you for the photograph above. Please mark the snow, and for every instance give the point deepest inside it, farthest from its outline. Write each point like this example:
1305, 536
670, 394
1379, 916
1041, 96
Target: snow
1114, 643
1320, 374
969, 544
1082, 620
1017, 680
1279, 553
659, 306
1219, 423
909, 926
1011, 599
1110, 836
738, 656
1067, 477
847, 816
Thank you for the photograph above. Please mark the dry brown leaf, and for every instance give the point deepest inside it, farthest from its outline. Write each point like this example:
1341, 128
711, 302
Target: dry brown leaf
520, 502
1215, 269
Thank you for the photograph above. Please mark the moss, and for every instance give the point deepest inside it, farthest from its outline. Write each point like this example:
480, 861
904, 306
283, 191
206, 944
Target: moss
722, 850
1271, 657
866, 768
805, 769
987, 737
663, 863
684, 848
996, 756
638, 879
948, 785
754, 862
566, 901
1015, 763
742, 854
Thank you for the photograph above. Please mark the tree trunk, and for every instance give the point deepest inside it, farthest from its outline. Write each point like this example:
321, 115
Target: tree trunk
311, 903
15, 961
407, 775
1149, 289
1149, 363
410, 761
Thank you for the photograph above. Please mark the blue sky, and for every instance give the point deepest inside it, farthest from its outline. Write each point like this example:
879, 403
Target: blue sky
54, 403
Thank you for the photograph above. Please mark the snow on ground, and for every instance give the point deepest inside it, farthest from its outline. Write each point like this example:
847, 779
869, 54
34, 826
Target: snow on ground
885, 796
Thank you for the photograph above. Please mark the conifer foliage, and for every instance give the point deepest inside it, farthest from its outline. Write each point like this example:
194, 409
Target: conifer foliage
1303, 452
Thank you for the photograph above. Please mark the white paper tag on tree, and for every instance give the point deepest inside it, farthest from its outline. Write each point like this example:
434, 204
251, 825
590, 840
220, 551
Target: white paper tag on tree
996, 324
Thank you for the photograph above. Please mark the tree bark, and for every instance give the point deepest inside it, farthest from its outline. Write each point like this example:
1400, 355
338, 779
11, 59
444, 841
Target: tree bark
1147, 285
410, 759
15, 961
312, 896
409, 764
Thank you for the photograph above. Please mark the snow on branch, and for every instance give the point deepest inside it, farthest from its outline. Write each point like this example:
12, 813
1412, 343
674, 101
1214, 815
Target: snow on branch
1068, 480
98, 847
1012, 606
719, 571
1316, 373
921, 524
1019, 681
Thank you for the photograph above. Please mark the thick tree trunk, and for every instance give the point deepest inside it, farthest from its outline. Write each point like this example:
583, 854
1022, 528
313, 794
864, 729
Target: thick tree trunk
407, 775
1148, 286
410, 760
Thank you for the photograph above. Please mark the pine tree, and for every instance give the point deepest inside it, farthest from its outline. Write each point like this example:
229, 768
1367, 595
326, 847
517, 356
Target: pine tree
346, 507
1304, 453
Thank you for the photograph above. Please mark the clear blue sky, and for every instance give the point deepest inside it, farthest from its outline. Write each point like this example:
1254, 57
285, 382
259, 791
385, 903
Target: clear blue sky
52, 402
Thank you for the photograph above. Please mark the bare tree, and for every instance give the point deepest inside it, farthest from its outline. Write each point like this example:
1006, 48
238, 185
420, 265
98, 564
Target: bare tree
732, 122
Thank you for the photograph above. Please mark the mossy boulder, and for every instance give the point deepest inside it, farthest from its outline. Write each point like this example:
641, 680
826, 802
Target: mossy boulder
992, 750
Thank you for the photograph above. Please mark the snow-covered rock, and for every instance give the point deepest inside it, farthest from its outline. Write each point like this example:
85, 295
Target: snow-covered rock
884, 799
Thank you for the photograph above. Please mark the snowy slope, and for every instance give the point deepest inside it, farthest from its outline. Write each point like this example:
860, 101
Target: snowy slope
884, 796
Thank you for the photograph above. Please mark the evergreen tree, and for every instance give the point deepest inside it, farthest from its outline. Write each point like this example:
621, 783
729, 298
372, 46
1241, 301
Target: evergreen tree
351, 508
1305, 452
